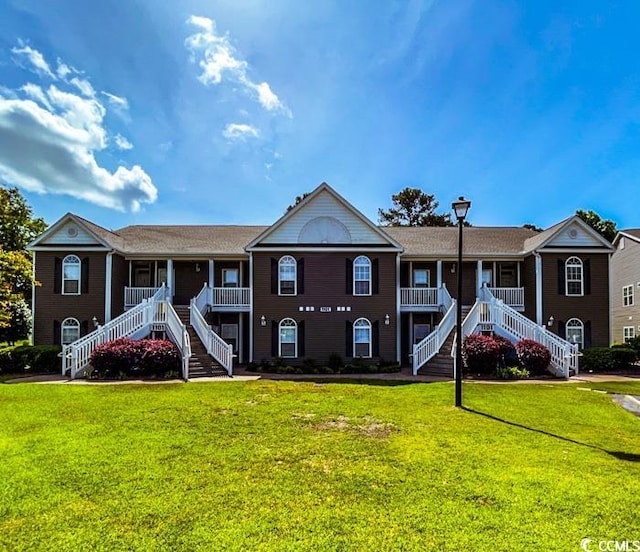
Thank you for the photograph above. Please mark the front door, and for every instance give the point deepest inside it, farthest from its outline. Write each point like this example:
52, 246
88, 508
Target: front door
188, 278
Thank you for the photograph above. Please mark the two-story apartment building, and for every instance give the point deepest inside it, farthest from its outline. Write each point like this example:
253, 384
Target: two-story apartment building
322, 279
625, 286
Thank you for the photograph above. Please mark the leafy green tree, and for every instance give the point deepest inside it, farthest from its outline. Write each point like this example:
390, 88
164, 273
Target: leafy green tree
532, 227
18, 226
412, 207
298, 200
606, 228
18, 323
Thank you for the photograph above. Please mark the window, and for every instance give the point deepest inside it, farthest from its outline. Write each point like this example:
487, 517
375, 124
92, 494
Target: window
420, 331
229, 332
573, 271
230, 277
287, 276
362, 276
288, 341
575, 332
362, 338
627, 296
628, 332
71, 275
70, 331
421, 278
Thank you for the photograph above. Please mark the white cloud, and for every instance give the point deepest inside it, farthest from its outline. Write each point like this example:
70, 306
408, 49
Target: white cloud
218, 59
84, 86
239, 131
122, 143
49, 141
118, 104
35, 58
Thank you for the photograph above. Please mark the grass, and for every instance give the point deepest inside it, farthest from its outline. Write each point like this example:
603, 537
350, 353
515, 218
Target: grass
306, 466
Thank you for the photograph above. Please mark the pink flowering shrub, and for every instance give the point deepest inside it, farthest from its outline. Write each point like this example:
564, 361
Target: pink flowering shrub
533, 356
480, 354
129, 357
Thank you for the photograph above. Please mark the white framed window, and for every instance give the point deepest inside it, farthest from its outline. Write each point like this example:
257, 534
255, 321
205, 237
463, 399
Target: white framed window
421, 278
574, 276
230, 277
229, 332
287, 276
69, 331
628, 332
575, 332
362, 338
288, 338
627, 296
71, 268
362, 276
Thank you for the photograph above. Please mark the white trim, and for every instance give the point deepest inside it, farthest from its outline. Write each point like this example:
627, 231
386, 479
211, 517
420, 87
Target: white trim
33, 296
562, 225
574, 264
240, 340
439, 273
574, 250
413, 276
225, 271
623, 233
251, 322
62, 327
624, 332
63, 279
211, 273
288, 258
351, 249
369, 280
538, 288
58, 224
71, 247
580, 326
630, 296
398, 324
107, 286
295, 342
370, 328
170, 278
478, 277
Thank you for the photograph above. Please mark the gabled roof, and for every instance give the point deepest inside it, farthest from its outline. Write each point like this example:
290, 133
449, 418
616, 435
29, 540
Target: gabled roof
101, 236
295, 218
478, 241
544, 239
631, 233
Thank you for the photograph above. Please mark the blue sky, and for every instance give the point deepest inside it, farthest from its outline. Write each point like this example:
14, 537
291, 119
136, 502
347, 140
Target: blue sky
213, 112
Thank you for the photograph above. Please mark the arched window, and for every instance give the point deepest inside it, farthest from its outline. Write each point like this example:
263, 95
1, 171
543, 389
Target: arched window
288, 338
362, 276
573, 273
71, 275
575, 332
362, 338
287, 276
69, 330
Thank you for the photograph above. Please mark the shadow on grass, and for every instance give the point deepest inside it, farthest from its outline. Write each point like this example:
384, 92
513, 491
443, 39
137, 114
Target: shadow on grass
627, 456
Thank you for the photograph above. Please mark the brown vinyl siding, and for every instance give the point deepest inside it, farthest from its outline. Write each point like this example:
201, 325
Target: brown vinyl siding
590, 308
625, 271
188, 282
450, 279
119, 279
52, 306
324, 286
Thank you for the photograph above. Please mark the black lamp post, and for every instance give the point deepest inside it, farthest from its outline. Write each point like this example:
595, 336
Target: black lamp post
460, 208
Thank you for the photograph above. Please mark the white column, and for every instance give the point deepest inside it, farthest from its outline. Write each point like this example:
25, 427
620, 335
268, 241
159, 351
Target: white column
439, 274
240, 335
478, 278
130, 271
538, 289
211, 273
33, 300
170, 282
107, 287
240, 274
398, 325
251, 307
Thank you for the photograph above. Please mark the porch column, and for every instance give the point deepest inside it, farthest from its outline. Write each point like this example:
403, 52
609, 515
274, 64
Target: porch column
251, 307
170, 282
240, 335
439, 274
479, 278
538, 289
107, 287
398, 324
211, 273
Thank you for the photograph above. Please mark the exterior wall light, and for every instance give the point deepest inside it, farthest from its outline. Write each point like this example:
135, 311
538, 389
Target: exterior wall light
387, 319
263, 321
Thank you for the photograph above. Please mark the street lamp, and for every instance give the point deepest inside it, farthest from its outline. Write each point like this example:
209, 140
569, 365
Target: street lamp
460, 208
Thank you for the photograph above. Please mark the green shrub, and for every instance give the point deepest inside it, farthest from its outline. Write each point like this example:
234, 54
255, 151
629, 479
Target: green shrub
35, 359
633, 343
607, 359
335, 362
511, 372
123, 358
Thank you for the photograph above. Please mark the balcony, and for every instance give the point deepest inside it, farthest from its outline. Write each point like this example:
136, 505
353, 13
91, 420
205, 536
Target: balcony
135, 295
231, 299
419, 299
512, 297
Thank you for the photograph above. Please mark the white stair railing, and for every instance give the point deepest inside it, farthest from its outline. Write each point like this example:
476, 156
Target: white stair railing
153, 313
424, 351
217, 347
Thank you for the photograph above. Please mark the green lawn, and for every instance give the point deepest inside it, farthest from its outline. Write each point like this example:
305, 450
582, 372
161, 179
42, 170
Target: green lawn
304, 466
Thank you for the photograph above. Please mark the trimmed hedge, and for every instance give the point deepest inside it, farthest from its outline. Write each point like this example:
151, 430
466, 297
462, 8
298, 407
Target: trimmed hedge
533, 356
32, 359
607, 359
123, 358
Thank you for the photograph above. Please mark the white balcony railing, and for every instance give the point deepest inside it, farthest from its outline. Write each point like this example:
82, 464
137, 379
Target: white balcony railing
513, 297
231, 297
419, 297
135, 295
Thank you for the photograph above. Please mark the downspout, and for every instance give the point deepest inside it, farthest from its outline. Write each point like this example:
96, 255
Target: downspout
33, 297
398, 325
108, 287
250, 306
538, 259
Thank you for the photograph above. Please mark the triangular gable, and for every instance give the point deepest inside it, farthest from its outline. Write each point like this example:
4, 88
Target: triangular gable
570, 233
632, 233
69, 231
324, 218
